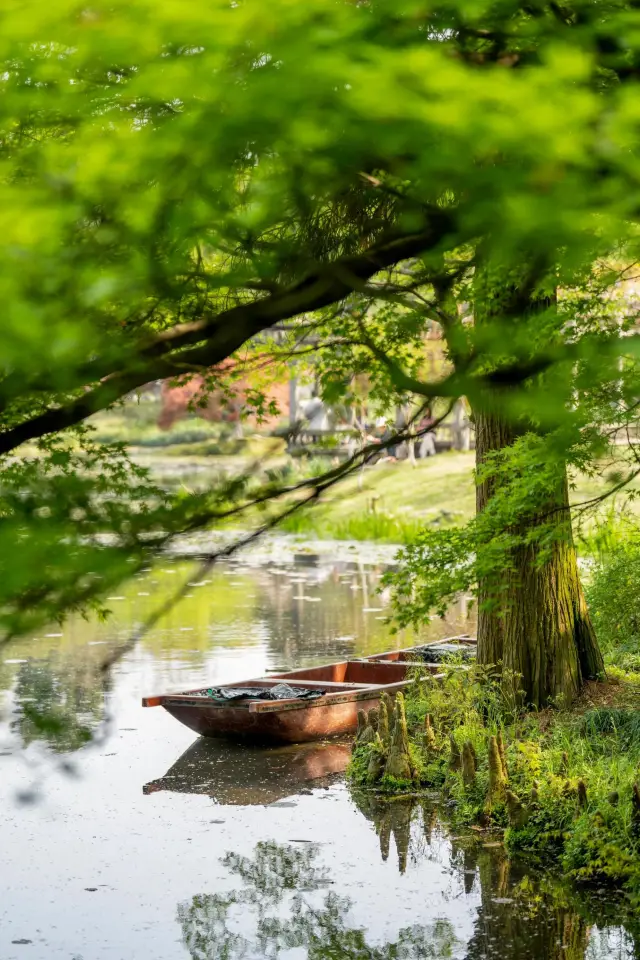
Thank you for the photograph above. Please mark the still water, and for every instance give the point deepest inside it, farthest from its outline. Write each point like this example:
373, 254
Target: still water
121, 838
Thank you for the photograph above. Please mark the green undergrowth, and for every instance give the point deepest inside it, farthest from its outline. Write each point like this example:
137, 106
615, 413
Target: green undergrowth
563, 790
612, 590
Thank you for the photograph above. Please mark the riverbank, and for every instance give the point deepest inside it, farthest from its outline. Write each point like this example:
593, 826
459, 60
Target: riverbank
387, 502
560, 786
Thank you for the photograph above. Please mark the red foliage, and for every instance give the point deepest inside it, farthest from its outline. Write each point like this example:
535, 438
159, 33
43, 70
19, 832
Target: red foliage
224, 405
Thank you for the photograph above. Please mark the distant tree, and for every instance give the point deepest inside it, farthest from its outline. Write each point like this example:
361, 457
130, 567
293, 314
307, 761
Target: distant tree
234, 399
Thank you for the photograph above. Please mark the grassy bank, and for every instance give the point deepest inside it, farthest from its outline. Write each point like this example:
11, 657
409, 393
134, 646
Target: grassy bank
561, 784
386, 502
392, 501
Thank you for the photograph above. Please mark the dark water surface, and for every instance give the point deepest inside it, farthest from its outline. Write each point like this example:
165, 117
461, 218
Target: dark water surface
122, 838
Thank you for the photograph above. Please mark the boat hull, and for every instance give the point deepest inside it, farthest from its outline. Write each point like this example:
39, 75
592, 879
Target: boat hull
346, 688
313, 721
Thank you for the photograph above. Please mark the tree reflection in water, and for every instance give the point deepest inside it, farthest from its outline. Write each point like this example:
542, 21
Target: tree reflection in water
284, 905
60, 702
282, 876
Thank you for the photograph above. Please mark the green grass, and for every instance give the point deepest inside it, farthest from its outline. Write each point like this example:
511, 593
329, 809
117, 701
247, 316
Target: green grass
388, 502
391, 501
381, 527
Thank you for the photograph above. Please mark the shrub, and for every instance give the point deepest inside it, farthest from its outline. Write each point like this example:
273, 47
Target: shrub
613, 595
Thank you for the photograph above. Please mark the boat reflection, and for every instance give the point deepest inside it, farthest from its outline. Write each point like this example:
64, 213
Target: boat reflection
242, 774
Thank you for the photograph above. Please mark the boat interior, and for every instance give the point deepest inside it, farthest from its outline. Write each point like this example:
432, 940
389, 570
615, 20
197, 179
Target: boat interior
332, 678
348, 673
381, 670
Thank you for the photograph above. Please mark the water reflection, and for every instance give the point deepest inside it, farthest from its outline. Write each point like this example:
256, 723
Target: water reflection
286, 899
393, 818
61, 705
285, 902
96, 869
236, 773
282, 906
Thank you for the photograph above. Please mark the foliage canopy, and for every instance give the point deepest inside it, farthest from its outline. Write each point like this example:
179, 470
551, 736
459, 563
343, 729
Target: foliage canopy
175, 181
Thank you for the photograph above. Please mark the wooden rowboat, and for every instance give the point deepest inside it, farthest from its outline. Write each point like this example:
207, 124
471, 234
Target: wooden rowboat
345, 687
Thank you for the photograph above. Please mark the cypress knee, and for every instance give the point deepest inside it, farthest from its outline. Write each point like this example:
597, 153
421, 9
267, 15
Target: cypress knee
503, 754
430, 742
469, 764
383, 722
517, 812
399, 763
582, 795
497, 779
377, 760
362, 723
368, 735
455, 758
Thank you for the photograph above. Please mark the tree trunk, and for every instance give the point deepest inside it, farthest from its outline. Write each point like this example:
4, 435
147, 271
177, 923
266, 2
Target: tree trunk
534, 620
539, 627
492, 433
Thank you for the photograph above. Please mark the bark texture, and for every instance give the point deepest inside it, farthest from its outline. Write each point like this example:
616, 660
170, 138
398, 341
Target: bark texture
540, 626
492, 433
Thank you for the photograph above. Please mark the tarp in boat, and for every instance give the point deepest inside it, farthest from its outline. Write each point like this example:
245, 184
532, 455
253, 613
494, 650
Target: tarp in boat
281, 691
446, 652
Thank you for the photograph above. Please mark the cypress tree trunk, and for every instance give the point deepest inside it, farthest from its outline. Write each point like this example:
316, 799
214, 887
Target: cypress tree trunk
539, 625
549, 638
492, 433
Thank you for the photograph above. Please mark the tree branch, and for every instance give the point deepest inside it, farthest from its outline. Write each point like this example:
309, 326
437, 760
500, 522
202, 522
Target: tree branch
320, 288
220, 335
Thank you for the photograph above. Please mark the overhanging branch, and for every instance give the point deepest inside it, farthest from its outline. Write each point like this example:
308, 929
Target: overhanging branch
207, 342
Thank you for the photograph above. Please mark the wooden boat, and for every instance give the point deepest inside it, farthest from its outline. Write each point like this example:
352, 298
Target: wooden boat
243, 773
346, 687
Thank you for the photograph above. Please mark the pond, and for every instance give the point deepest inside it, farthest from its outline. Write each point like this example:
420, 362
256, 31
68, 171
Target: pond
123, 838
